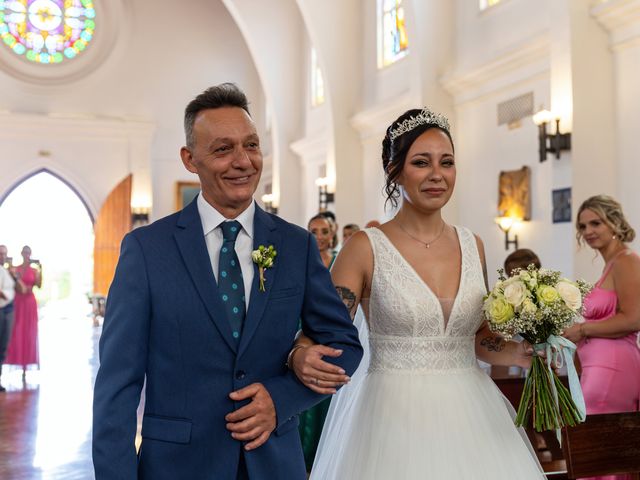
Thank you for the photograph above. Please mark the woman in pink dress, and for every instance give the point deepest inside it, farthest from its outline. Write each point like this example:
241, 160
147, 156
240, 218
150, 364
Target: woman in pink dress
608, 339
23, 348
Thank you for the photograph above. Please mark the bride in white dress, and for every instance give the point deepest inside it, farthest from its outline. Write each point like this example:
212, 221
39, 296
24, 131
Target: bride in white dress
422, 407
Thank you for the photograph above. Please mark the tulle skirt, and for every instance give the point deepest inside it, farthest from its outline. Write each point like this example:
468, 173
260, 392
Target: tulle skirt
405, 425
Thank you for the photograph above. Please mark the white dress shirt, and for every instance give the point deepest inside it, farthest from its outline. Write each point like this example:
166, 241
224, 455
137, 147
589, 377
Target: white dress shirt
7, 285
211, 220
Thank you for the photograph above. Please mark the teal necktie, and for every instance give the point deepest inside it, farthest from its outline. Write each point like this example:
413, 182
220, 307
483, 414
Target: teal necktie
230, 283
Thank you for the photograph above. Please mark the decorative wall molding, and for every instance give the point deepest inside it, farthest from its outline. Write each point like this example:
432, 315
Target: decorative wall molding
311, 147
621, 18
518, 64
375, 120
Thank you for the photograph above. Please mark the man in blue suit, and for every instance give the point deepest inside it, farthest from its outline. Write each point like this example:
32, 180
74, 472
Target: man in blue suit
188, 313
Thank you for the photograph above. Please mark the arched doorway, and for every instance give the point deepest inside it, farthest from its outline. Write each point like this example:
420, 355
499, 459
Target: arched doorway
44, 212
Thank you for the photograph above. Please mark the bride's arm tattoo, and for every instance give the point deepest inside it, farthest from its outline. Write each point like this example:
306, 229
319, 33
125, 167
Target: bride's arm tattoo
493, 344
349, 299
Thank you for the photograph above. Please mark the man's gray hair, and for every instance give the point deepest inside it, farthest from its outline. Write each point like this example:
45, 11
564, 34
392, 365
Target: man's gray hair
218, 96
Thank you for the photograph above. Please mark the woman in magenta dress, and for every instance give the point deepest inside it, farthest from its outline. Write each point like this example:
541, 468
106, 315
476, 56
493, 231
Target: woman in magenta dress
608, 339
23, 348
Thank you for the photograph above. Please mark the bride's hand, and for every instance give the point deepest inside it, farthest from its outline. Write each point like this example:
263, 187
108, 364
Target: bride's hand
523, 352
316, 374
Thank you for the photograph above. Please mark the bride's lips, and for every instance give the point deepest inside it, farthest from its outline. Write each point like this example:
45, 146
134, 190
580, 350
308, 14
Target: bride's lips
435, 191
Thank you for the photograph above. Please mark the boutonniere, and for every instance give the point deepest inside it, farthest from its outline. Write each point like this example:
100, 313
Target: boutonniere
263, 257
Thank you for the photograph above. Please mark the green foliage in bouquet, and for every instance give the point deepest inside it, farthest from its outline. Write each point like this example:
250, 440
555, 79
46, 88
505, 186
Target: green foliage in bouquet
538, 304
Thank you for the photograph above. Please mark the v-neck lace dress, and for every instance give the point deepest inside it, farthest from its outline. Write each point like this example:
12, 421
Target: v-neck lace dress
424, 409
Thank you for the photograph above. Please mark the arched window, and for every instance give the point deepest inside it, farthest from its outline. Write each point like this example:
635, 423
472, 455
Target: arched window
317, 81
393, 43
47, 31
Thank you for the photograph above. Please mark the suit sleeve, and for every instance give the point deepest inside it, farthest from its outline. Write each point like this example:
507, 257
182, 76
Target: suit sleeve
325, 319
123, 354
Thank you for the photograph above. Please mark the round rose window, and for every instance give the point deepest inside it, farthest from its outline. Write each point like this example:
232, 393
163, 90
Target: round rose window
47, 31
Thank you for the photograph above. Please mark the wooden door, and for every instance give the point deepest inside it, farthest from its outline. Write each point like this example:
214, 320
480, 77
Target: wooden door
113, 222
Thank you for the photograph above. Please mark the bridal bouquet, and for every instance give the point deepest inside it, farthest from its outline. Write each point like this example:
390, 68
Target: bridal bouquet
538, 304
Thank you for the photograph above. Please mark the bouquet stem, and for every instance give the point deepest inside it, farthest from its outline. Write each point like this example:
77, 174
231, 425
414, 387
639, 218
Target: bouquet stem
538, 405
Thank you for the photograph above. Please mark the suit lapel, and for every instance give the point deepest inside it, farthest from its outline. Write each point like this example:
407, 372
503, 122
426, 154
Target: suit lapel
265, 233
193, 249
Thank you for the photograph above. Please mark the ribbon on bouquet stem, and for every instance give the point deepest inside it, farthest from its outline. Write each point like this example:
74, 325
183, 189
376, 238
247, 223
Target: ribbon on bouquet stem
559, 351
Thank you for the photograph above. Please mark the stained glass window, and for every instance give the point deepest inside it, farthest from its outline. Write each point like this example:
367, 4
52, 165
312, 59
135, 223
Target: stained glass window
47, 31
488, 3
317, 81
393, 42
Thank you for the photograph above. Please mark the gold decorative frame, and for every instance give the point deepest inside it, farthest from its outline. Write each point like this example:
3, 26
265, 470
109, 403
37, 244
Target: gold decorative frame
514, 194
185, 193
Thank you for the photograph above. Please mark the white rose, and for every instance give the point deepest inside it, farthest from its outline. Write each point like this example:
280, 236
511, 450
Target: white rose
530, 278
529, 307
256, 256
515, 292
570, 294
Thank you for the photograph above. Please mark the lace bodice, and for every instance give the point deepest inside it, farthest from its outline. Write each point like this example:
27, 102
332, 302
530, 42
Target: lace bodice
407, 329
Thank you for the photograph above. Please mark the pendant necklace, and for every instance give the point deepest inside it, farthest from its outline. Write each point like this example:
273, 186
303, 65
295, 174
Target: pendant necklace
426, 244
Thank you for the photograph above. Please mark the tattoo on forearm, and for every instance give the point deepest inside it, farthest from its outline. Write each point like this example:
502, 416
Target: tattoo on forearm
348, 298
493, 344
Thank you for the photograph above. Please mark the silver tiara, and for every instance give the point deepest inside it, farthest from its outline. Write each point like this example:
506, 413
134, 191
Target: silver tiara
425, 117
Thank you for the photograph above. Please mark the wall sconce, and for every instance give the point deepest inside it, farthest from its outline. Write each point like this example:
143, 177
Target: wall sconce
268, 201
547, 142
324, 196
139, 216
505, 224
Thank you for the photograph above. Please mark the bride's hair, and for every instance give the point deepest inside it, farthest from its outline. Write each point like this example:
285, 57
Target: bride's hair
398, 140
610, 211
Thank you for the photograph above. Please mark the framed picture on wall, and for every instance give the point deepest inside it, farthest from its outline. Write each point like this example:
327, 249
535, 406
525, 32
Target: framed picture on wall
514, 193
185, 193
561, 199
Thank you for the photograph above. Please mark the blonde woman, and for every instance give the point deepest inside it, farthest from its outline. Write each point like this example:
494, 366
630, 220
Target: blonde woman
607, 340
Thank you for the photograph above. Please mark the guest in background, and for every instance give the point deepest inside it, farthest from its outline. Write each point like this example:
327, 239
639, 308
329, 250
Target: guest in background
329, 215
349, 230
23, 347
7, 292
321, 228
372, 224
521, 258
312, 420
607, 340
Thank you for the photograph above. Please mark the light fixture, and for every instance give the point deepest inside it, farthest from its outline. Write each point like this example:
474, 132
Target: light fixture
505, 224
139, 216
324, 196
268, 200
547, 142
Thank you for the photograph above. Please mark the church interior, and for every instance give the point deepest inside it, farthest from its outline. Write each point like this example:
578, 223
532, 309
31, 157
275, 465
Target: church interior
543, 98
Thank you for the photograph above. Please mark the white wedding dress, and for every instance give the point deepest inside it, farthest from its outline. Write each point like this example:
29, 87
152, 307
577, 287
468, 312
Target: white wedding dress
422, 408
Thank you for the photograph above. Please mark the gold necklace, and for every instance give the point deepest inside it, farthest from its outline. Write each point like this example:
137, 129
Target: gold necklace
426, 244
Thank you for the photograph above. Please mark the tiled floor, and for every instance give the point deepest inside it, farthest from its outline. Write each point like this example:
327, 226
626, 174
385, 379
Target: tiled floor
45, 420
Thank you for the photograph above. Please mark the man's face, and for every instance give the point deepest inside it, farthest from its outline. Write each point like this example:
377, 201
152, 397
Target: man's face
3, 254
226, 156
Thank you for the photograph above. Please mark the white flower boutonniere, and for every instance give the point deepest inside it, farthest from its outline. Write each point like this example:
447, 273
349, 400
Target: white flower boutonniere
263, 257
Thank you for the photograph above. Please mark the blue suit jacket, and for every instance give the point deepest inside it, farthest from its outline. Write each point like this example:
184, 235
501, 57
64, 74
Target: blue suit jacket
165, 323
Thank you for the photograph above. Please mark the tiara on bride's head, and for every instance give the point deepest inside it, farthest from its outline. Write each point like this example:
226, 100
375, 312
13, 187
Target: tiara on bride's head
425, 117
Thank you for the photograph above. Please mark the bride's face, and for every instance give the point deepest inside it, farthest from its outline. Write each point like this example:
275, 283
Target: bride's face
429, 172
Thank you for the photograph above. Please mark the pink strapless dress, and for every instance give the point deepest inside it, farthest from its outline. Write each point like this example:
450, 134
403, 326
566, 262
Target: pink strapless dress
610, 366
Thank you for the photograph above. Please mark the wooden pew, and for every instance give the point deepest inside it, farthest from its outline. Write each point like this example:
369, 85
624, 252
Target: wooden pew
603, 445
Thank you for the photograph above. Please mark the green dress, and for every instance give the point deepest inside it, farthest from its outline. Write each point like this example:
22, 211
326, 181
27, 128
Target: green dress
311, 423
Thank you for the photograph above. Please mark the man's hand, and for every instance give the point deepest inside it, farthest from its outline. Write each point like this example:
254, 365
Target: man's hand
254, 422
